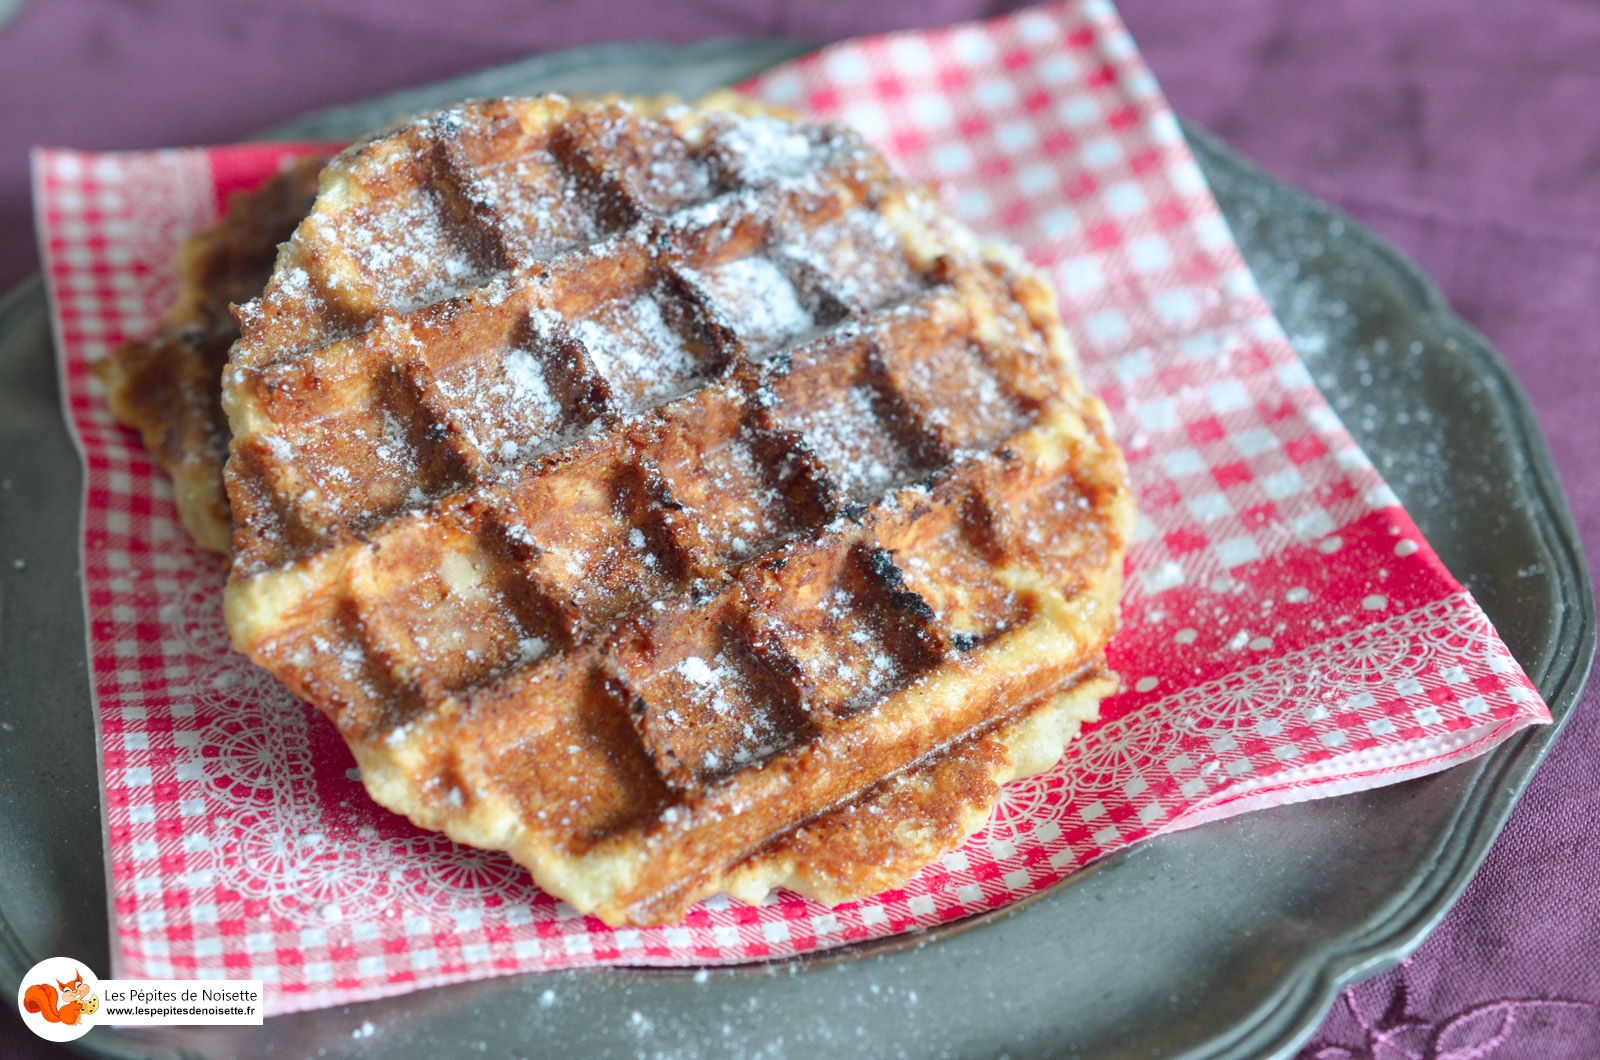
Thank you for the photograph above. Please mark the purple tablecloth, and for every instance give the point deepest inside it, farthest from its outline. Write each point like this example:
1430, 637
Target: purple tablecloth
1469, 136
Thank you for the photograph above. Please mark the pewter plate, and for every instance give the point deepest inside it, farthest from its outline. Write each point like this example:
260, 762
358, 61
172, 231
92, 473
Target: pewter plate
1227, 941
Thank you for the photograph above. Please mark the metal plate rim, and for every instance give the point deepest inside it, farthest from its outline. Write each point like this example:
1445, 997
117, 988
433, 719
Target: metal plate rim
1292, 1012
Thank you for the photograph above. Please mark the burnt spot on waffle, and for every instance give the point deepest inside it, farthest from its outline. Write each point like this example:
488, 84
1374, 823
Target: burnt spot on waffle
673, 480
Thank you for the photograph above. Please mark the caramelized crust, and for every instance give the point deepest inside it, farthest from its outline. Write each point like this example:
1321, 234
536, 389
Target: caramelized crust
673, 498
169, 387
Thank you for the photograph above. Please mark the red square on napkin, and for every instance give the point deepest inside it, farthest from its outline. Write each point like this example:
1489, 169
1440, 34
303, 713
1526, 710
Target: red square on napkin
1287, 632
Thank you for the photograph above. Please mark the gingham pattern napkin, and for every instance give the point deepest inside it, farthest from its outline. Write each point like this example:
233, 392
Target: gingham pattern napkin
1287, 632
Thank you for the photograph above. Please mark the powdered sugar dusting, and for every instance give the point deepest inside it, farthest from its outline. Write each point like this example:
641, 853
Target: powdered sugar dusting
761, 148
743, 732
752, 508
854, 446
637, 352
528, 389
409, 253
543, 213
758, 302
695, 670
503, 403
859, 256
711, 684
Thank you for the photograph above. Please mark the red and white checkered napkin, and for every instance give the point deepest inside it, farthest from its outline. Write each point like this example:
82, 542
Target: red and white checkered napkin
1287, 632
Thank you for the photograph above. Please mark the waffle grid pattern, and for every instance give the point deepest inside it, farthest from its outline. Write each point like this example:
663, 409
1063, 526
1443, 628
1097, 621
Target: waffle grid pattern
823, 340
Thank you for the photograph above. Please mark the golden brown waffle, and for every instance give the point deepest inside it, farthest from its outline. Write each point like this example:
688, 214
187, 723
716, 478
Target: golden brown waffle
169, 388
672, 498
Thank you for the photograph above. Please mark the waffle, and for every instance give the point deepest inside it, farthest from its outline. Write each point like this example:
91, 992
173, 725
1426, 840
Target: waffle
169, 388
671, 497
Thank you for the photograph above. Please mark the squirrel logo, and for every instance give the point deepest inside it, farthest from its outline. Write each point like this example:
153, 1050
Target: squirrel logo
73, 1000
58, 999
